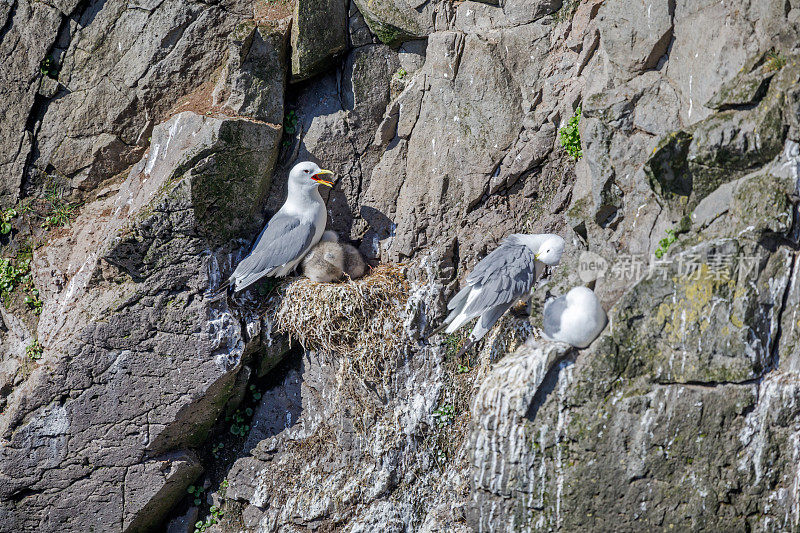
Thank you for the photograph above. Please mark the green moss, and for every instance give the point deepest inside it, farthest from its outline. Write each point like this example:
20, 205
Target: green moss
567, 11
666, 170
579, 209
387, 22
225, 200
388, 34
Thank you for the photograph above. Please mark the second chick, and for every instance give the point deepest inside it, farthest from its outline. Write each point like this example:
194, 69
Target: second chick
330, 260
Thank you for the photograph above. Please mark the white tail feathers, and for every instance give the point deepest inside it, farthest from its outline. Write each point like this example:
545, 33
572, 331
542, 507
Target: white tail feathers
458, 317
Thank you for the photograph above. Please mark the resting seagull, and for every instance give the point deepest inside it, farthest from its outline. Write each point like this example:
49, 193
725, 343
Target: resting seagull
499, 280
290, 234
576, 318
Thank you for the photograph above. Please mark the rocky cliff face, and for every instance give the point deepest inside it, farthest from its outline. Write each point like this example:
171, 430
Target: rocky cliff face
144, 145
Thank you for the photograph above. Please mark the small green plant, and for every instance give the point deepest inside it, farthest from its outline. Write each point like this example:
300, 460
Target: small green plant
60, 215
60, 212
289, 127
255, 393
452, 342
570, 137
15, 274
238, 425
12, 275
48, 67
401, 73
33, 302
665, 243
241, 417
34, 350
214, 518
775, 61
217, 449
197, 492
463, 369
444, 415
290, 123
25, 206
5, 220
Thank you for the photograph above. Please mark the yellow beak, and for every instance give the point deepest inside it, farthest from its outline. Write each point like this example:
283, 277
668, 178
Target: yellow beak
316, 177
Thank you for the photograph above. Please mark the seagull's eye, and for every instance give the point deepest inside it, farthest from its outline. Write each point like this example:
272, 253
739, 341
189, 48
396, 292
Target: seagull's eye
306, 171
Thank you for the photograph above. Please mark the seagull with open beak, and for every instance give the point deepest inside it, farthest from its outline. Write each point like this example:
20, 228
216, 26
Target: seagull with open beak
290, 234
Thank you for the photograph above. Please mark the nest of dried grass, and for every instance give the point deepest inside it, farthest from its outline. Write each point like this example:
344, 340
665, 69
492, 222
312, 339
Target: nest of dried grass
360, 322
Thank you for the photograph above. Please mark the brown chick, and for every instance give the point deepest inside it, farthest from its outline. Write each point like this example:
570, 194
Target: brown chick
330, 260
354, 265
325, 262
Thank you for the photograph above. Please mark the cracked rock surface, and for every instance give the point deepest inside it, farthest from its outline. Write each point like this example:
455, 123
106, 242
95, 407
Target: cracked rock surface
168, 128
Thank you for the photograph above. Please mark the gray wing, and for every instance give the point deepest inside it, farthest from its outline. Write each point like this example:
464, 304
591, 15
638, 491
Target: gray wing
282, 241
552, 316
488, 319
503, 276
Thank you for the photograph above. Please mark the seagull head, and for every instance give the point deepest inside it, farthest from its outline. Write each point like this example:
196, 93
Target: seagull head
550, 250
308, 175
581, 296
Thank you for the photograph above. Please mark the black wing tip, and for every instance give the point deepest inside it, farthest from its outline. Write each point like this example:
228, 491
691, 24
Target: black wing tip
436, 331
224, 289
467, 347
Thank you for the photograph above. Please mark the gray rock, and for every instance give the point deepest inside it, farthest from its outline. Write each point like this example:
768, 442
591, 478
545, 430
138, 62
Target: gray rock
635, 36
528, 152
357, 28
122, 71
185, 523
29, 30
748, 87
757, 204
149, 332
526, 11
472, 16
685, 113
319, 34
154, 487
395, 21
254, 78
456, 72
726, 342
694, 162
383, 516
411, 55
16, 337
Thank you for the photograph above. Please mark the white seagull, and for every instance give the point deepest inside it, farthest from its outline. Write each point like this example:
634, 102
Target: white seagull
576, 318
499, 280
290, 234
